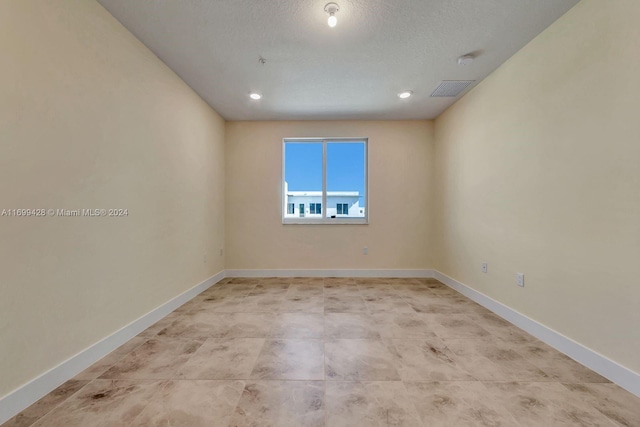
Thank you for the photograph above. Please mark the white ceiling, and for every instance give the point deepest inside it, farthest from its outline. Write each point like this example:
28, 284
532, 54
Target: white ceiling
352, 71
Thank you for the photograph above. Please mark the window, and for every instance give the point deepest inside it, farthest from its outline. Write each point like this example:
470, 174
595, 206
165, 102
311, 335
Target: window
315, 208
328, 172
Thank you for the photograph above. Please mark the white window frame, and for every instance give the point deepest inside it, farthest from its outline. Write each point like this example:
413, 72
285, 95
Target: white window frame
324, 219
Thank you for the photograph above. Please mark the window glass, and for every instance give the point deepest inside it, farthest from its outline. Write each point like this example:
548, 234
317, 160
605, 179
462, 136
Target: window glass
346, 177
332, 172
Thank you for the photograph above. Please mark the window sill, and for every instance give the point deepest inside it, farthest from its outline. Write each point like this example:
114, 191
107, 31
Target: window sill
358, 221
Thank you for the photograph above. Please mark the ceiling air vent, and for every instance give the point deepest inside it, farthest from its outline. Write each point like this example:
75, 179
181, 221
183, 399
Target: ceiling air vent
451, 88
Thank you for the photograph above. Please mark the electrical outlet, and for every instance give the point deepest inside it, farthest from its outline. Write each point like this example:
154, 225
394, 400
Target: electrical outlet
520, 277
485, 266
221, 251
204, 257
365, 251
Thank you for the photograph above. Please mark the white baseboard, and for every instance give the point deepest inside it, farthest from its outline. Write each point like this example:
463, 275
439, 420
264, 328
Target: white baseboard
424, 273
622, 376
24, 396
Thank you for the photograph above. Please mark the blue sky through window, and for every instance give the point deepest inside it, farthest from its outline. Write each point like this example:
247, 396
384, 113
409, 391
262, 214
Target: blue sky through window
303, 166
345, 166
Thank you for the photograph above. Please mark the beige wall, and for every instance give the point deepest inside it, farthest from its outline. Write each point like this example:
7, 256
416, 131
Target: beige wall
400, 206
539, 172
89, 118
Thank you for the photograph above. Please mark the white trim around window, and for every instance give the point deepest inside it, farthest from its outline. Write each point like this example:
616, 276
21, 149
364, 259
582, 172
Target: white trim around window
323, 219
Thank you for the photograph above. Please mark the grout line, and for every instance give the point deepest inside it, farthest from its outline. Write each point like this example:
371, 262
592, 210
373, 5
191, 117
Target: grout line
56, 406
151, 399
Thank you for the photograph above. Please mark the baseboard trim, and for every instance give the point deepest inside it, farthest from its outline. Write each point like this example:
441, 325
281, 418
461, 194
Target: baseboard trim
420, 273
24, 396
622, 376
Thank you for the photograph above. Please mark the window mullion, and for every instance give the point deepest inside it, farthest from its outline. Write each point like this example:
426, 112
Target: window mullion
324, 180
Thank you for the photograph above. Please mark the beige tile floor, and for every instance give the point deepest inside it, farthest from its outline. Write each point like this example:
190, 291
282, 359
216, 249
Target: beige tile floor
334, 352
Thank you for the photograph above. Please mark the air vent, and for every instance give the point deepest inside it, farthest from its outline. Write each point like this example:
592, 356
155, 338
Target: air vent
451, 88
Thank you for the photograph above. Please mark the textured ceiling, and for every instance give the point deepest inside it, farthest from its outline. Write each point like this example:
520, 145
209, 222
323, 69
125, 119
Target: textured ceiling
352, 71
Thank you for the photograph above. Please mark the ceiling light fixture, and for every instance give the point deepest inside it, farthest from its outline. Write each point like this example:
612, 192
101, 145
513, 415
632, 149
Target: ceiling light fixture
406, 94
255, 96
332, 9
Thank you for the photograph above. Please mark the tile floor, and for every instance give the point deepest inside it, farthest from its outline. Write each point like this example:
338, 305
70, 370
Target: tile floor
334, 352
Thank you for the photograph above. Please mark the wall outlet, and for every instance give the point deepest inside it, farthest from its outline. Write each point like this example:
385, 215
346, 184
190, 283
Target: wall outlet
520, 277
485, 266
204, 257
221, 251
365, 251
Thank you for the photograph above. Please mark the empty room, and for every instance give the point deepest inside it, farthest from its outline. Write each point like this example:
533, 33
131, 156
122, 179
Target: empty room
311, 213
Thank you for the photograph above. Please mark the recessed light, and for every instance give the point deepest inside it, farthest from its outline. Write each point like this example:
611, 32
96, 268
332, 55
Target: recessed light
255, 96
406, 94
